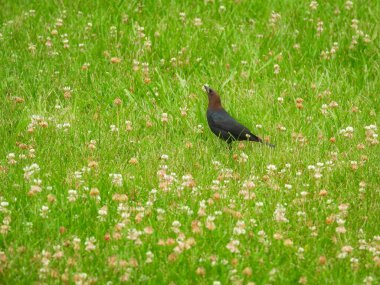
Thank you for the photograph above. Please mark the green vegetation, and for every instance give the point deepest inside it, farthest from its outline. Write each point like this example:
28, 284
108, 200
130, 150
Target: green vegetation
110, 174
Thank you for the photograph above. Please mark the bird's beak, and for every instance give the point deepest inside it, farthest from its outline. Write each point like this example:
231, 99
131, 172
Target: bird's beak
207, 89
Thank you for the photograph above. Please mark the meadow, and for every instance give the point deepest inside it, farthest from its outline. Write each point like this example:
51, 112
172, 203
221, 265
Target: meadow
109, 172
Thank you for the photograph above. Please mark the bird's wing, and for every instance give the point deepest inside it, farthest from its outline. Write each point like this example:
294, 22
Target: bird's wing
224, 121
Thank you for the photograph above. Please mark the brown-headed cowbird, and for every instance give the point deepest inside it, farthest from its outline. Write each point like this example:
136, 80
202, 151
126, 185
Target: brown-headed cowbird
223, 125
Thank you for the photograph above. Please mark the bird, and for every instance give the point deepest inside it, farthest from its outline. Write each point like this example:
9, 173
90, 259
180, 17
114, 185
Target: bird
223, 125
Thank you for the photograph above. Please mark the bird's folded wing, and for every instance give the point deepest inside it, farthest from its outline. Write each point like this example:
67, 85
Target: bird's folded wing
225, 122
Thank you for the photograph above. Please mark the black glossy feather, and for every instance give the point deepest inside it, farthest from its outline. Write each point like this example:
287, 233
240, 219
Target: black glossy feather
227, 128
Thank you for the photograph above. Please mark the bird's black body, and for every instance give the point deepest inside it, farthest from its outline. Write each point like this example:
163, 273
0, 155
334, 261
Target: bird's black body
227, 128
223, 125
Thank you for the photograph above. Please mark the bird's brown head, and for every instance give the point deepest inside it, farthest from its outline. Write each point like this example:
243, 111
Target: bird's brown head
214, 101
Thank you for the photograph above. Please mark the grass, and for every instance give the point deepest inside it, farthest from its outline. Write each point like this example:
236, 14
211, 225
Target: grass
306, 211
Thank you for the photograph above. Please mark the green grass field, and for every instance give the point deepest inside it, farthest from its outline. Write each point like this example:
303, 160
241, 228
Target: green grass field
109, 172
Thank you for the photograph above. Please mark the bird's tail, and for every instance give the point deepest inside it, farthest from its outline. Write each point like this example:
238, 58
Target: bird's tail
260, 140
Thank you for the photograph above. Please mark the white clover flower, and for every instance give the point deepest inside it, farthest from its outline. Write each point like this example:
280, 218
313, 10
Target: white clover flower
197, 22
102, 212
276, 68
233, 245
271, 167
44, 211
279, 214
348, 5
164, 157
90, 244
239, 228
114, 129
117, 179
149, 257
73, 195
313, 5
30, 170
